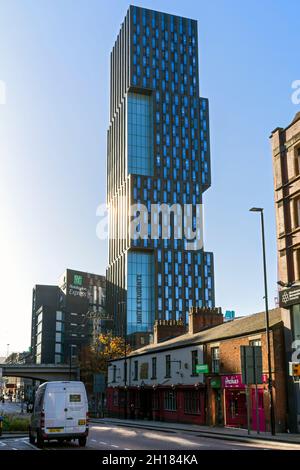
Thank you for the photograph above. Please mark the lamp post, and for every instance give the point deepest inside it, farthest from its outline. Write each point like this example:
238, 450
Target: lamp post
270, 383
70, 360
124, 320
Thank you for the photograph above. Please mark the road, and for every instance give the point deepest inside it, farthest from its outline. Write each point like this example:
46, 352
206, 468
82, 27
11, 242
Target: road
113, 437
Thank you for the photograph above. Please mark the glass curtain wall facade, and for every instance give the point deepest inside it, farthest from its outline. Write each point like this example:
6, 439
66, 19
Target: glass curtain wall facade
158, 153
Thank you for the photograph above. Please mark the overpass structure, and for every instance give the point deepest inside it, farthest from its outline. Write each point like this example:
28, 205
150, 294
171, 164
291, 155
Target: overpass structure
43, 372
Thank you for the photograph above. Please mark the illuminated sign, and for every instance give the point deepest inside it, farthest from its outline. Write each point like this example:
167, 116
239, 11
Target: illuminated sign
77, 280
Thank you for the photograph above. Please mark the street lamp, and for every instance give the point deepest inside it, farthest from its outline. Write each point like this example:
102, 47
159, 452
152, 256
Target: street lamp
70, 360
270, 384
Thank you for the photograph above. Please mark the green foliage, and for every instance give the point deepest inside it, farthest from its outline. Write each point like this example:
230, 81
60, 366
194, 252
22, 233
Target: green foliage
15, 423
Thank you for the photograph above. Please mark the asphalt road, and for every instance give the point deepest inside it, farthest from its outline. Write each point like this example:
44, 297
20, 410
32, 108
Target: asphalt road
113, 437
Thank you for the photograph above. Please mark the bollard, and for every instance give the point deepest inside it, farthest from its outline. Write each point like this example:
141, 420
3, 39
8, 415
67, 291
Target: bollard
1, 425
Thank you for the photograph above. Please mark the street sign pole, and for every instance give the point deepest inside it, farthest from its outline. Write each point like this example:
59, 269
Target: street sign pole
248, 409
256, 390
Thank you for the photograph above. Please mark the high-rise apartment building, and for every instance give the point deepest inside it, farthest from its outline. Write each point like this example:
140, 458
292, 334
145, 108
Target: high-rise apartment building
158, 153
285, 143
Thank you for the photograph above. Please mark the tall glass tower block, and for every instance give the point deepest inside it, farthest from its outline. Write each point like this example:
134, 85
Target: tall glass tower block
158, 153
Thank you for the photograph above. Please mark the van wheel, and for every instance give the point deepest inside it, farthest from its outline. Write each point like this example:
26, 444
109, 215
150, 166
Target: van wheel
39, 440
82, 441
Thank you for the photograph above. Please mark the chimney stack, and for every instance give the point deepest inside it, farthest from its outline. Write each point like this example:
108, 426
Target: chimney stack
167, 329
201, 318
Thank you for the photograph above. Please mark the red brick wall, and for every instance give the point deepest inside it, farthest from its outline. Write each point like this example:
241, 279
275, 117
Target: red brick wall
230, 363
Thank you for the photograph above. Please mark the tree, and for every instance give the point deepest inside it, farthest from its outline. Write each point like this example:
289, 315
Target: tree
94, 359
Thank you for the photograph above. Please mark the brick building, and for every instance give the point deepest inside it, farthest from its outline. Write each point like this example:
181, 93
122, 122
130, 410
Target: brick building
162, 382
285, 144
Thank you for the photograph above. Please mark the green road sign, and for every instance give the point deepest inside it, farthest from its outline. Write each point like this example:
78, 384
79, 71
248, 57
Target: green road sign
202, 369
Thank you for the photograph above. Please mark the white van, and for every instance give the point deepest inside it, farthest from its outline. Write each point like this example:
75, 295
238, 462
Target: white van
60, 413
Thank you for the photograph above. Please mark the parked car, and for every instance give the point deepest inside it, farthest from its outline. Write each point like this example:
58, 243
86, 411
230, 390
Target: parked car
60, 413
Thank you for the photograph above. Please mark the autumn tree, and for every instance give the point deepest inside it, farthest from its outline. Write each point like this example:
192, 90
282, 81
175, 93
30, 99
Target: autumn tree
94, 359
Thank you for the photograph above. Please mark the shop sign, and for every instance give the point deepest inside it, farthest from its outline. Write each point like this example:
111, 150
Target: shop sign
232, 381
288, 297
202, 369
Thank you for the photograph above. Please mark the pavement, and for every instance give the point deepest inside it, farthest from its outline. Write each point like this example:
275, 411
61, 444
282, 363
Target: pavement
226, 433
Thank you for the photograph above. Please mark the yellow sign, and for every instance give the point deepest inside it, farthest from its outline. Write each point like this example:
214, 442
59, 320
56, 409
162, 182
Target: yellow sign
296, 370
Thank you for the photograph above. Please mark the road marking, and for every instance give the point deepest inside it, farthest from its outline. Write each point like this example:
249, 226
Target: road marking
31, 445
3, 444
112, 445
103, 443
125, 448
93, 440
13, 448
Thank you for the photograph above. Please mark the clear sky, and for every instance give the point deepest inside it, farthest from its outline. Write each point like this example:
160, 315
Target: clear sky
54, 61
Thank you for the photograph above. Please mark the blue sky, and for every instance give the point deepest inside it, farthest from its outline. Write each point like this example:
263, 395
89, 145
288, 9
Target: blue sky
54, 60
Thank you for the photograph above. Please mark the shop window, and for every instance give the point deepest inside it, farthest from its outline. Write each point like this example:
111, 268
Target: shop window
170, 402
192, 403
115, 398
155, 401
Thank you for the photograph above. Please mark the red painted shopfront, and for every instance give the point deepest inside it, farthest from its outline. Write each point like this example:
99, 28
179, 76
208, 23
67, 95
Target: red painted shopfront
235, 403
184, 404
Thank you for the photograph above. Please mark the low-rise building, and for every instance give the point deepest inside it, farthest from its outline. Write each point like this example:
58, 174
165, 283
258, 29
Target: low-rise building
161, 381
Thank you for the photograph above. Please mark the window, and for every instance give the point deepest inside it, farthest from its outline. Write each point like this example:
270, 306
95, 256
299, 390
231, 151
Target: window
194, 362
114, 373
59, 316
115, 397
170, 402
155, 401
297, 161
296, 212
58, 359
297, 264
154, 367
140, 129
215, 360
168, 366
136, 370
192, 403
